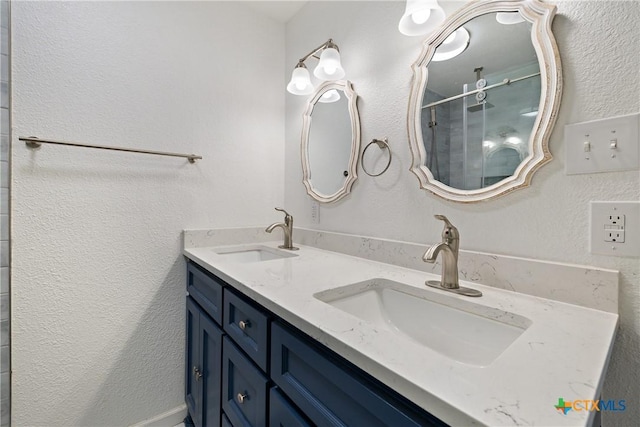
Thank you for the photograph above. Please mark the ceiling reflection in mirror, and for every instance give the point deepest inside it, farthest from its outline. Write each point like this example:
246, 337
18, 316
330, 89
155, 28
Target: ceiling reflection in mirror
484, 98
330, 142
480, 103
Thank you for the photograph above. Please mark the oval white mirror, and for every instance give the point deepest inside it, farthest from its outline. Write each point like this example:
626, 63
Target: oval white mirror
330, 141
484, 98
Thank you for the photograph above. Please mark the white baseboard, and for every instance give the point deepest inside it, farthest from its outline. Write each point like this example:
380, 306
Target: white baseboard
171, 418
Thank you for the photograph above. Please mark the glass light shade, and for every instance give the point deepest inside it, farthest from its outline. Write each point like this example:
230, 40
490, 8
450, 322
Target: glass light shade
329, 67
509, 18
329, 96
300, 83
421, 17
452, 46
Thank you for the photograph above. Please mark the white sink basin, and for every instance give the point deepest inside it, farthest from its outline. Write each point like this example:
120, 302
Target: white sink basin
254, 253
462, 330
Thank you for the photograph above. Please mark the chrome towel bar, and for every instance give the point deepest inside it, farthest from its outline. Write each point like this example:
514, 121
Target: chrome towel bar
34, 142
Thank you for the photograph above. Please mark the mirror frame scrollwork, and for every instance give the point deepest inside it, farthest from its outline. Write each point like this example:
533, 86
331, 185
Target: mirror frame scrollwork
540, 15
347, 88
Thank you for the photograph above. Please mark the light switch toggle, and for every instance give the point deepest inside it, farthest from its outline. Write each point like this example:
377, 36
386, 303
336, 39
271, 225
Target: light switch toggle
613, 144
587, 146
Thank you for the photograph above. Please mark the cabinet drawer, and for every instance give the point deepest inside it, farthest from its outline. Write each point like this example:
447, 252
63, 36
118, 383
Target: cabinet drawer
244, 389
248, 326
327, 393
206, 290
282, 413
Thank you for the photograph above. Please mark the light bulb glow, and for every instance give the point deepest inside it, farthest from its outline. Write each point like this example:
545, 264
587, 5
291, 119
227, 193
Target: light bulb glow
455, 47
300, 83
329, 67
488, 144
451, 38
509, 18
329, 96
420, 16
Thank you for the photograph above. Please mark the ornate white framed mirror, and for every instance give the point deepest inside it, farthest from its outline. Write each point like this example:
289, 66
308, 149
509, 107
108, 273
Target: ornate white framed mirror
485, 95
330, 141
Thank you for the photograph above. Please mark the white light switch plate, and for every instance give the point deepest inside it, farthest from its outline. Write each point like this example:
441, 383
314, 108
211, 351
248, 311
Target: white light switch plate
615, 228
602, 145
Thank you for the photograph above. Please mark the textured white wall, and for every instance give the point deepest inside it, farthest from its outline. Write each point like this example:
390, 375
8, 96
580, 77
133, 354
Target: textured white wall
600, 48
98, 278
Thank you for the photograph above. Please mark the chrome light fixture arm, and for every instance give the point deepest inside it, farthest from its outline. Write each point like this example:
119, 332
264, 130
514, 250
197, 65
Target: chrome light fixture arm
329, 44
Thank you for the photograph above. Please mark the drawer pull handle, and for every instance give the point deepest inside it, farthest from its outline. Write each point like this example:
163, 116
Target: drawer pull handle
241, 397
244, 324
197, 373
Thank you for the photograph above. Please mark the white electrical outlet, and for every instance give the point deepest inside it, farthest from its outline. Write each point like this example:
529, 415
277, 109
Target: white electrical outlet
615, 228
315, 212
613, 235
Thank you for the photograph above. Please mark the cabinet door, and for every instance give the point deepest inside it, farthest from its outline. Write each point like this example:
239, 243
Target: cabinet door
210, 342
203, 367
193, 387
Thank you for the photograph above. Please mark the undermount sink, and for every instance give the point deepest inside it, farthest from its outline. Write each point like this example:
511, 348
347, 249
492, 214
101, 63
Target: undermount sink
461, 330
255, 253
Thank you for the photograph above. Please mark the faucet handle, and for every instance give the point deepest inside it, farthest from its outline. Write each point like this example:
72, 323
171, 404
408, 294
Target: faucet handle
281, 210
450, 232
287, 217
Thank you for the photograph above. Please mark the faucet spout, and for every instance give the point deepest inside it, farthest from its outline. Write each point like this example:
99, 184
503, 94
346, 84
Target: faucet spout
287, 228
275, 225
448, 247
449, 264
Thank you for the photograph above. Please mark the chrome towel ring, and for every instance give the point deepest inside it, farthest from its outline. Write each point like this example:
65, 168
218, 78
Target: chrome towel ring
383, 144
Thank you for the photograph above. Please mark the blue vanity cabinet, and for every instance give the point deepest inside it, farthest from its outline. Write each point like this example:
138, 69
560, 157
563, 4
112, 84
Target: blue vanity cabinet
246, 367
203, 366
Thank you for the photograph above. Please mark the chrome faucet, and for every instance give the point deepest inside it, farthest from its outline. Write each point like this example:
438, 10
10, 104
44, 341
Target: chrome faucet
287, 228
449, 249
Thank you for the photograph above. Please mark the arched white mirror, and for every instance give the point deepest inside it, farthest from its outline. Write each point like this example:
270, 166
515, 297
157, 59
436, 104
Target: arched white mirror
484, 98
330, 141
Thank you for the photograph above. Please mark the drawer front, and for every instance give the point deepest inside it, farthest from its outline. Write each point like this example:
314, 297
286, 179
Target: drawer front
206, 290
244, 389
282, 413
248, 326
328, 394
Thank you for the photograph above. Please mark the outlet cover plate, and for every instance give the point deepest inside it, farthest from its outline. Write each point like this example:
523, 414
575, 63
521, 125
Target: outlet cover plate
588, 145
599, 222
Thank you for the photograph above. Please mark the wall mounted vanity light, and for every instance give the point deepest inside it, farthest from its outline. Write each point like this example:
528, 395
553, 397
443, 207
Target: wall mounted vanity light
421, 17
329, 68
452, 46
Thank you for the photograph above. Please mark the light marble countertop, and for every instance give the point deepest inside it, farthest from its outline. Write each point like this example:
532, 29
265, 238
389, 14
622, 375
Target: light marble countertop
563, 353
